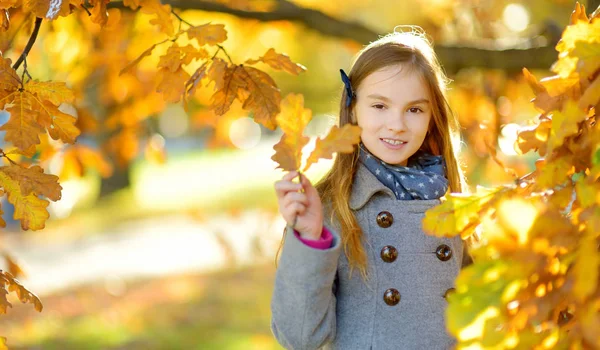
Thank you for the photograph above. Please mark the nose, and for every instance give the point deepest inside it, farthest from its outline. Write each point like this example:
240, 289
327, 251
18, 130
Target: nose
397, 122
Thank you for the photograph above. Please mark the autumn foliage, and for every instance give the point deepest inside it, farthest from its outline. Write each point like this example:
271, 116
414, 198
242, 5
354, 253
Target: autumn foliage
535, 282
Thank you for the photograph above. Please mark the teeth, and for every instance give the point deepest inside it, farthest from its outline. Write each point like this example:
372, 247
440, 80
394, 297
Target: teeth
393, 142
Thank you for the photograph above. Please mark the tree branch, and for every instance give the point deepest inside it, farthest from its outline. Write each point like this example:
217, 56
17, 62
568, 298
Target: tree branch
36, 29
453, 58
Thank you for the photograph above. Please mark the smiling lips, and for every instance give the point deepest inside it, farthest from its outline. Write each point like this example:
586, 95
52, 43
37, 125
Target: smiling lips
393, 142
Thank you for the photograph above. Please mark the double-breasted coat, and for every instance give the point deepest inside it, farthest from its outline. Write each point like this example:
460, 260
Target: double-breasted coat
316, 304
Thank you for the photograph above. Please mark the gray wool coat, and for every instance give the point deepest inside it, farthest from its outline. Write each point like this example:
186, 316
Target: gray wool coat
316, 304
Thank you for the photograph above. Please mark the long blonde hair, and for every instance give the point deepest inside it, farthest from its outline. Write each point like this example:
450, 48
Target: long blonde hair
410, 48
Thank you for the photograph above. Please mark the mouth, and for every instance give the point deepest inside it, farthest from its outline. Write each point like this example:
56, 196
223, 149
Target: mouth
393, 143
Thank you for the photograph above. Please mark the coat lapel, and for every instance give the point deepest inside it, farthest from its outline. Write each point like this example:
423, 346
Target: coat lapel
364, 186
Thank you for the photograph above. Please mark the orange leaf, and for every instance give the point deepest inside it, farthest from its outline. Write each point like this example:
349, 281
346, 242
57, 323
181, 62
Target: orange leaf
233, 81
163, 15
591, 96
99, 12
6, 4
134, 63
47, 9
62, 124
208, 34
33, 180
54, 92
216, 72
292, 120
533, 138
78, 158
30, 209
288, 151
4, 20
192, 83
125, 145
132, 4
172, 84
176, 56
264, 97
280, 62
24, 295
338, 140
578, 14
9, 79
22, 128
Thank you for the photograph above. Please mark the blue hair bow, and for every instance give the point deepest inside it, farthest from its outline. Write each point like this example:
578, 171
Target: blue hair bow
349, 92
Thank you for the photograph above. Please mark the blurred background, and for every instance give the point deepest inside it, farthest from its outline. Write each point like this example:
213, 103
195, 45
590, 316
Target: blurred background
166, 233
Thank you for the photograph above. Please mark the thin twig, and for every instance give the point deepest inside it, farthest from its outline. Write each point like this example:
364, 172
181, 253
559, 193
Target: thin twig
34, 34
181, 20
225, 52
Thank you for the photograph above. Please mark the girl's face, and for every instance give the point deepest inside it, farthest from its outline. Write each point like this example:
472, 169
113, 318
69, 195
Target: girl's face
393, 109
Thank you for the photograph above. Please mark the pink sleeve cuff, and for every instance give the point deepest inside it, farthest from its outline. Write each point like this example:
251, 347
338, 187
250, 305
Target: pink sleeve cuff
322, 243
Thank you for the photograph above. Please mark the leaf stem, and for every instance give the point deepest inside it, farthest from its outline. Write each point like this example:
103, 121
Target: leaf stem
34, 34
181, 20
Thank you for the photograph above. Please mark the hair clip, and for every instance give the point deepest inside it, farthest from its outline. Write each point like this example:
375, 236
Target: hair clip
349, 92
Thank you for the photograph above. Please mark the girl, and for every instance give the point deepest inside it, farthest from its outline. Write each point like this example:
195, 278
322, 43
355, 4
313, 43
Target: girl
366, 214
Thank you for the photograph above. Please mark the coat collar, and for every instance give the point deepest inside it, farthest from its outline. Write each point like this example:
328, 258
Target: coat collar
364, 186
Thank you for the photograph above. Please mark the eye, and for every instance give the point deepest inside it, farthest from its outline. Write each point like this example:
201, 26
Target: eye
415, 110
378, 106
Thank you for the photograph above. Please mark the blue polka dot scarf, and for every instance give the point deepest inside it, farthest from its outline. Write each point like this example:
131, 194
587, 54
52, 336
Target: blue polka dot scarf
422, 178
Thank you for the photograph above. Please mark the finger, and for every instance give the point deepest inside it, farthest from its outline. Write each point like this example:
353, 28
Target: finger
298, 197
289, 176
283, 187
297, 208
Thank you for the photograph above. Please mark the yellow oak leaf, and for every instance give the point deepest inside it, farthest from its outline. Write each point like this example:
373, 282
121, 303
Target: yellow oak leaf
555, 172
22, 129
587, 267
461, 213
172, 84
533, 138
24, 295
292, 120
233, 81
340, 140
588, 55
176, 56
47, 9
280, 62
33, 180
99, 12
578, 14
543, 100
591, 96
564, 124
55, 92
60, 125
135, 62
288, 151
192, 83
263, 98
163, 15
216, 72
9, 79
208, 34
29, 209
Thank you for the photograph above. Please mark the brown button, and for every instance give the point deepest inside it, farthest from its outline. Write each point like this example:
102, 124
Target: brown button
448, 292
443, 252
391, 297
385, 219
389, 254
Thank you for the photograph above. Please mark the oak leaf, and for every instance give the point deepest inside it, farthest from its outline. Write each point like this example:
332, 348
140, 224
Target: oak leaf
135, 62
177, 55
78, 158
292, 120
163, 15
341, 140
461, 213
263, 98
172, 84
30, 209
208, 34
280, 62
33, 180
47, 9
24, 295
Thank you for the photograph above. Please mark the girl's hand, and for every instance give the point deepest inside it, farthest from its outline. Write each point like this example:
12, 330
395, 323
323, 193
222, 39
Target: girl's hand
306, 206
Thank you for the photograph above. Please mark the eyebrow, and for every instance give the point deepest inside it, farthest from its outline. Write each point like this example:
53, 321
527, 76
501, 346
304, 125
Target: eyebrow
383, 98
